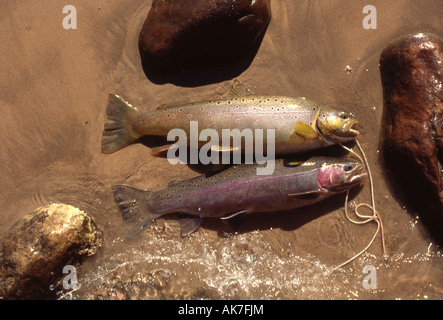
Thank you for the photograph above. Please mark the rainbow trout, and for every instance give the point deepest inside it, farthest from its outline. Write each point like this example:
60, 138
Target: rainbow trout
299, 123
239, 190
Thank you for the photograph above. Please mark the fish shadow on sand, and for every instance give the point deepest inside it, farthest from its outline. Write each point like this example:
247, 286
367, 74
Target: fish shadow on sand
422, 201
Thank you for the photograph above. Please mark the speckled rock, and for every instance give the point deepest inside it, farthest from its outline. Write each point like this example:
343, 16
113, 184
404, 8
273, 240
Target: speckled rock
412, 129
36, 248
182, 34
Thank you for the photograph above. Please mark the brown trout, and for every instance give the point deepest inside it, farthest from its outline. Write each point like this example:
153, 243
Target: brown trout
239, 190
299, 123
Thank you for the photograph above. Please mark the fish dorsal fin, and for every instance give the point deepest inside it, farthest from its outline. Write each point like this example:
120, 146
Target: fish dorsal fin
219, 167
304, 130
165, 106
238, 89
189, 224
173, 183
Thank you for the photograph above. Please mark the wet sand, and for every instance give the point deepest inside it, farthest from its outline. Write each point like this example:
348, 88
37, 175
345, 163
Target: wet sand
53, 93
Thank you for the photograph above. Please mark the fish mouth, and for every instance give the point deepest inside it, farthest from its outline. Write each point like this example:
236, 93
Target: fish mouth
349, 130
353, 178
353, 132
357, 175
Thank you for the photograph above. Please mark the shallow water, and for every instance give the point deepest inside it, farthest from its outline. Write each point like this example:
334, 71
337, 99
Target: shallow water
53, 93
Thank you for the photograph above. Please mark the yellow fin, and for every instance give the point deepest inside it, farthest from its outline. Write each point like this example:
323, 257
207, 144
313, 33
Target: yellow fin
223, 148
293, 163
304, 130
296, 161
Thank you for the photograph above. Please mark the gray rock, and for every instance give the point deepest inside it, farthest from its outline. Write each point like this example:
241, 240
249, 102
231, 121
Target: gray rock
36, 248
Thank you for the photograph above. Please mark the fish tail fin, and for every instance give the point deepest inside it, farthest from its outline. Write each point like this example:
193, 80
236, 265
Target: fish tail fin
136, 208
116, 134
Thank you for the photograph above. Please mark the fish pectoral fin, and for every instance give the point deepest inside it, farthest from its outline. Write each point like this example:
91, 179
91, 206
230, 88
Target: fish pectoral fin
304, 130
308, 194
235, 214
313, 192
216, 148
238, 89
295, 161
189, 224
162, 150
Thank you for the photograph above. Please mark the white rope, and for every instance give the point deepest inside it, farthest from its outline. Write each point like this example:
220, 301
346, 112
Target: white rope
365, 218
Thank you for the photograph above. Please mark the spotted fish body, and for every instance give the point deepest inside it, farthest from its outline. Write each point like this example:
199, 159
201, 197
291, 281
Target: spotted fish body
239, 189
279, 113
299, 123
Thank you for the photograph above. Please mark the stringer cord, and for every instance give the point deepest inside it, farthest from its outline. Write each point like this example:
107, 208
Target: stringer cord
365, 218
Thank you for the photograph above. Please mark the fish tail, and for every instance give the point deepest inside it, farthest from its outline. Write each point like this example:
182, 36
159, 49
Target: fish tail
116, 134
136, 208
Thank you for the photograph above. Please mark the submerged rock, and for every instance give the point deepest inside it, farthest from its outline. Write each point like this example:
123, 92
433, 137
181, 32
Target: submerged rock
183, 34
412, 129
36, 248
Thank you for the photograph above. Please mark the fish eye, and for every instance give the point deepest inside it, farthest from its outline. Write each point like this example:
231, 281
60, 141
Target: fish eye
347, 167
344, 116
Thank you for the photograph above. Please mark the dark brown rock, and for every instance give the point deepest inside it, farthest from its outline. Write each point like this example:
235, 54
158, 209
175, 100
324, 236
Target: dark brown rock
36, 248
412, 129
183, 34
